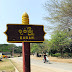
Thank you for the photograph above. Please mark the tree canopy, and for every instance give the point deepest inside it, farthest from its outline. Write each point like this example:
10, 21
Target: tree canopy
39, 47
6, 47
60, 13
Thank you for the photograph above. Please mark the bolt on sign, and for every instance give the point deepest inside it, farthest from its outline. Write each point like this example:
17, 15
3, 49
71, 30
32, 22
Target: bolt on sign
24, 33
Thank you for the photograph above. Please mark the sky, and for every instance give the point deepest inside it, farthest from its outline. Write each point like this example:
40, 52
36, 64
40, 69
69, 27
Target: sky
11, 13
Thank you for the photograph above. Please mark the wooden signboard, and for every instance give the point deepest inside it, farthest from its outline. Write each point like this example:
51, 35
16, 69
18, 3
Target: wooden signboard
24, 33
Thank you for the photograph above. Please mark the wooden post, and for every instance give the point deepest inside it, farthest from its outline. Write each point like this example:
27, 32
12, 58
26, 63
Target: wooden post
26, 47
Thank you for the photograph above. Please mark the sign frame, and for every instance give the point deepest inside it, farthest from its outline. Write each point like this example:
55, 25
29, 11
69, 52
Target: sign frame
25, 41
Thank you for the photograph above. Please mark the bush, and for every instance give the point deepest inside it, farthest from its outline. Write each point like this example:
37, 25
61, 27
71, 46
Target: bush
56, 54
67, 55
70, 54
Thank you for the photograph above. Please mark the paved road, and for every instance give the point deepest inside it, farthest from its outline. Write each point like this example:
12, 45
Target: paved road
65, 66
57, 67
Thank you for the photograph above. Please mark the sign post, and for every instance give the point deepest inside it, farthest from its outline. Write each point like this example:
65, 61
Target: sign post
25, 34
26, 47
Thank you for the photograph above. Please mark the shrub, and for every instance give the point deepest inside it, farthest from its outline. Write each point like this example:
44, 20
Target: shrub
67, 55
70, 54
56, 54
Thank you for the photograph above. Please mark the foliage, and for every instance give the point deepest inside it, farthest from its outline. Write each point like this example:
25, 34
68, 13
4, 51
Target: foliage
6, 47
56, 55
18, 49
59, 41
39, 47
65, 55
60, 13
34, 48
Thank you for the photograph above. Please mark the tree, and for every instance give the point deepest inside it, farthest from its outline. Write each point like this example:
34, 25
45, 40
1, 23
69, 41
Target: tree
18, 49
59, 41
39, 47
34, 48
6, 47
3, 47
60, 13
43, 46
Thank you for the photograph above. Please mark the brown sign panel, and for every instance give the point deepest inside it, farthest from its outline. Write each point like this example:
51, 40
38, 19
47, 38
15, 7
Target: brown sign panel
24, 33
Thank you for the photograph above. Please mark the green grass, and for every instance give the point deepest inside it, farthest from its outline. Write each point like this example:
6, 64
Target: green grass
5, 65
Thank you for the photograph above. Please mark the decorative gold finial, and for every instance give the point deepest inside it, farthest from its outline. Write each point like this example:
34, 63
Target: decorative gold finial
25, 18
25, 15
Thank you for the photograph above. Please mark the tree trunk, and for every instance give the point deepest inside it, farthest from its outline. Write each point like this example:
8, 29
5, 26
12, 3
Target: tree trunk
61, 50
